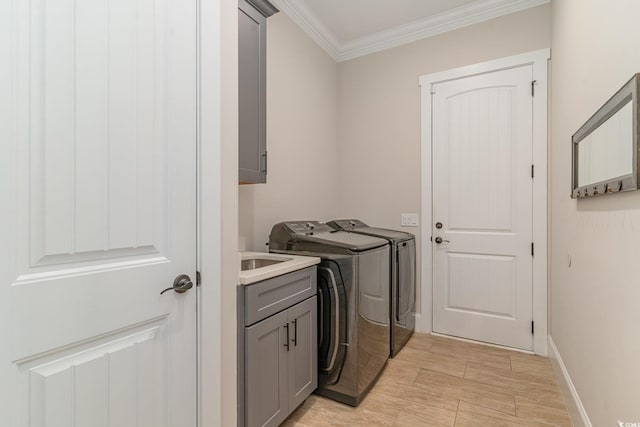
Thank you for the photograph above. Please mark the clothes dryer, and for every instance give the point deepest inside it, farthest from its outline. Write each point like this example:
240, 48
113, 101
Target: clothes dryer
403, 277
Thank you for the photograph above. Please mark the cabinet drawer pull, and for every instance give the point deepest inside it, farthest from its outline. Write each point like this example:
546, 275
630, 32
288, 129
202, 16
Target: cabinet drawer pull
286, 326
295, 332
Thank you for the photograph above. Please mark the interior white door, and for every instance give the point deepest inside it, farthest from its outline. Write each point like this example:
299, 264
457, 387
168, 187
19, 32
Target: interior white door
98, 196
482, 207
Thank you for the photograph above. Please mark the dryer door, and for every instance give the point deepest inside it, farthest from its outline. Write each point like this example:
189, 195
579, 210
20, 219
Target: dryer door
373, 281
332, 322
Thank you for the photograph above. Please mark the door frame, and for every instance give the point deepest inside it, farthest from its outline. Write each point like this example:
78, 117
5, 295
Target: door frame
217, 252
539, 61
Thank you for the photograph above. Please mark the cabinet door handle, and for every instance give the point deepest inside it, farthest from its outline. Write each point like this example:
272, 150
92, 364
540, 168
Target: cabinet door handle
295, 332
286, 326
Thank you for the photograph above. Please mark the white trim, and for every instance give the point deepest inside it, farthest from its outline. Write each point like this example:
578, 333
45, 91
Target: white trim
538, 59
208, 261
310, 24
479, 11
540, 200
418, 322
572, 401
426, 281
217, 140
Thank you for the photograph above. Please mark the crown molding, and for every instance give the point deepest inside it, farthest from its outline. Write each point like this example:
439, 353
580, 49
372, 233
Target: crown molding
479, 11
310, 24
264, 7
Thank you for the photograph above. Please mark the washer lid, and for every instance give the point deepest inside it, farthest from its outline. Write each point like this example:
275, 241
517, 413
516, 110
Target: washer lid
320, 233
344, 239
357, 226
385, 233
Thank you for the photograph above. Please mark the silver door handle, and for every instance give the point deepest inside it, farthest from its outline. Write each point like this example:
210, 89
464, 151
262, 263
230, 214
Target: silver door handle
181, 285
336, 335
439, 240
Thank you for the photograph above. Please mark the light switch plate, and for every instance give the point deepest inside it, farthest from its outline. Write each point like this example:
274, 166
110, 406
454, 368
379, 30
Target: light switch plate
409, 220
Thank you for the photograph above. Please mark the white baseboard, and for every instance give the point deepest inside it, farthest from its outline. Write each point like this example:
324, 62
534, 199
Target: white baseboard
418, 323
576, 410
423, 325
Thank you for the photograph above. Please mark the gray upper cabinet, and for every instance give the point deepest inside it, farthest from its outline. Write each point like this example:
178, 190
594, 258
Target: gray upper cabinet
252, 91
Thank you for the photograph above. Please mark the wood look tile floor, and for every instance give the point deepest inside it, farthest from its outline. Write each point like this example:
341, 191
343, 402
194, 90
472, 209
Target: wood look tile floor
437, 381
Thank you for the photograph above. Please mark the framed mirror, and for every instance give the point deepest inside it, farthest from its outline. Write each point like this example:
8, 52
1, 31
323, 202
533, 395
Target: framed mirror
605, 148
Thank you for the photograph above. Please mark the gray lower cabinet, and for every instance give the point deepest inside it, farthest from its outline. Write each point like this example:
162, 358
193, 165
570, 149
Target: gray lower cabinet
267, 399
278, 347
303, 355
281, 363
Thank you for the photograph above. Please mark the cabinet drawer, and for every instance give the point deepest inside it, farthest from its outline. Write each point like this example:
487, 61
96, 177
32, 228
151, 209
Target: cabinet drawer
268, 297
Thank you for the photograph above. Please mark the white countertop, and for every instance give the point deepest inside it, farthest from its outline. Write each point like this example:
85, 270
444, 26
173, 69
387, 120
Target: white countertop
290, 263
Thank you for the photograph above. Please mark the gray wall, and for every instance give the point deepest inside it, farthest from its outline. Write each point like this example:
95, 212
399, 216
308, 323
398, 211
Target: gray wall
595, 315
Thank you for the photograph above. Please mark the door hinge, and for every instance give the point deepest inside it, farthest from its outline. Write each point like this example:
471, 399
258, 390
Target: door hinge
533, 87
532, 251
532, 328
198, 278
532, 168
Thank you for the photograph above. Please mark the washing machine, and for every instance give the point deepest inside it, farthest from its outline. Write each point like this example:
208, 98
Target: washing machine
403, 277
353, 304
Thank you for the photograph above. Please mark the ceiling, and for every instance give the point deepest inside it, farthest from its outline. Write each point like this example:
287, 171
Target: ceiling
347, 29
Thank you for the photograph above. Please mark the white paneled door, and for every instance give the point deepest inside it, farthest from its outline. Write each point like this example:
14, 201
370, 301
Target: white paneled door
98, 213
482, 207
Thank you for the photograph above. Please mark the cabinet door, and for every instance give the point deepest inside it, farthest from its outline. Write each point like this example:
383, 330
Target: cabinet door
252, 94
303, 358
266, 372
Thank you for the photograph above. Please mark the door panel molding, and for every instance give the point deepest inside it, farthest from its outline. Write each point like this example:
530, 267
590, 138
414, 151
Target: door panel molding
96, 106
539, 62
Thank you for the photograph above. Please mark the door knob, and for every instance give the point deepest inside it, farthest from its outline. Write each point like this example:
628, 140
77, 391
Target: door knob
440, 240
181, 285
438, 225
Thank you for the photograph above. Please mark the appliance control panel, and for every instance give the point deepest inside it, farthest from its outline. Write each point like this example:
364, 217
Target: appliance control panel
350, 224
308, 227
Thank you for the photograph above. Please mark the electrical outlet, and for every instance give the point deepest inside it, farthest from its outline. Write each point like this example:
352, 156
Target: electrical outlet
409, 220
